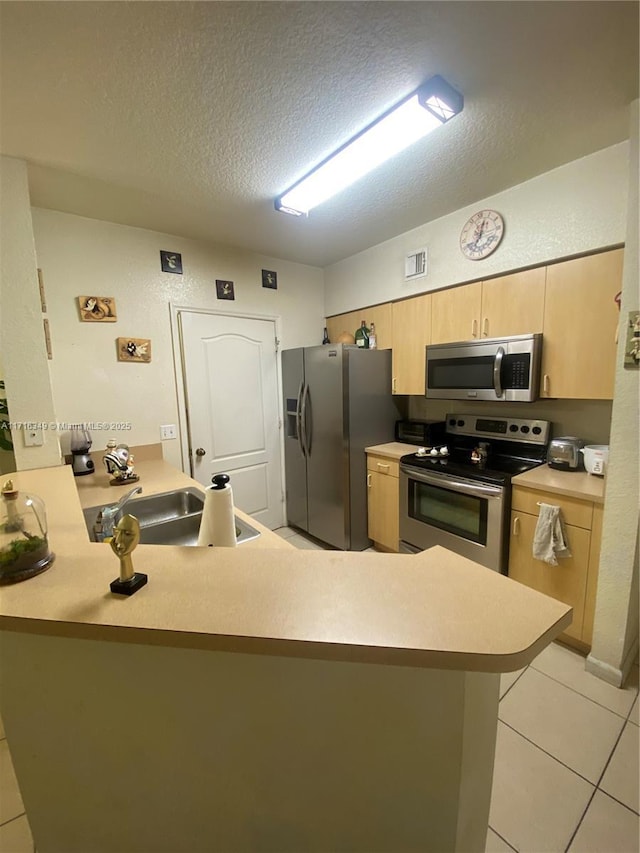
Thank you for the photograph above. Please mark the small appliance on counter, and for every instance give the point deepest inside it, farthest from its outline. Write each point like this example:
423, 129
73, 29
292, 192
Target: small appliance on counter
424, 433
81, 462
564, 453
596, 457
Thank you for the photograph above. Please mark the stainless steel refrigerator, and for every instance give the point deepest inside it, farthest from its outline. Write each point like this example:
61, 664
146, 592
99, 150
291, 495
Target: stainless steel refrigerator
337, 401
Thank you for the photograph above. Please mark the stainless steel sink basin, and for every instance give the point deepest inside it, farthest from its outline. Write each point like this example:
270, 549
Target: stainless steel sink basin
170, 518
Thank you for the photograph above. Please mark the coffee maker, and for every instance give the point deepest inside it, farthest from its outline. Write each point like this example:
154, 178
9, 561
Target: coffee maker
81, 462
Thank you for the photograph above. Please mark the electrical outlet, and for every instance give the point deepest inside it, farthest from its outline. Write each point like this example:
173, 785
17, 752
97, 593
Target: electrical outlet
33, 438
168, 431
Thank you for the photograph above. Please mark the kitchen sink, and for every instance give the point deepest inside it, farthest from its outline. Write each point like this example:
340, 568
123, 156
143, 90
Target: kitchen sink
170, 518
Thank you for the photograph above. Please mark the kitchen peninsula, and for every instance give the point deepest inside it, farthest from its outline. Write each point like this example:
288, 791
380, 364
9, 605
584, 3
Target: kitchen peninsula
257, 698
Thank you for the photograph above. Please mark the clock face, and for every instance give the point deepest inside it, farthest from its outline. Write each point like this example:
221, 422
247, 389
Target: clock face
482, 234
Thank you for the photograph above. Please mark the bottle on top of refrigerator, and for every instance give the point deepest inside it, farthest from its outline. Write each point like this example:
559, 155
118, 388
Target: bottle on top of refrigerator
325, 336
373, 340
362, 336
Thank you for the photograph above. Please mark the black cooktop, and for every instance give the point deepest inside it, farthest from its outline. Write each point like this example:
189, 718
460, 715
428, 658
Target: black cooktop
497, 469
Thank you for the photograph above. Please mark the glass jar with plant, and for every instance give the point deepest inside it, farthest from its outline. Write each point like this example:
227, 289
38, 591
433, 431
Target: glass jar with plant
24, 546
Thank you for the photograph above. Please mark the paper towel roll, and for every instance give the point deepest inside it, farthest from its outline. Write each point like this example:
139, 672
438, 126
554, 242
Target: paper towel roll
218, 524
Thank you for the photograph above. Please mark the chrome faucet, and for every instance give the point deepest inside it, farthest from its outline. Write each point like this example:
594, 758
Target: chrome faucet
107, 516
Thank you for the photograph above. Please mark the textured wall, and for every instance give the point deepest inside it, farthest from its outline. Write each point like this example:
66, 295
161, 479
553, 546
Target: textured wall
81, 256
615, 637
577, 208
26, 368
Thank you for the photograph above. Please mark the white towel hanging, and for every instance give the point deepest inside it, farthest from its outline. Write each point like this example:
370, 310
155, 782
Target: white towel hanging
549, 540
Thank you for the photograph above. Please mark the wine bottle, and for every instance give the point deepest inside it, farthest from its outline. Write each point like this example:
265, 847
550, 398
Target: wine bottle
373, 340
325, 336
362, 336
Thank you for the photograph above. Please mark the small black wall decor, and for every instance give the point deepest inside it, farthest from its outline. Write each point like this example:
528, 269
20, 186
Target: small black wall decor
270, 279
224, 289
171, 262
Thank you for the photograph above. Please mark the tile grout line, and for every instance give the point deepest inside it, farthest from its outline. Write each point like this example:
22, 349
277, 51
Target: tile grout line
511, 686
537, 746
502, 838
11, 819
597, 788
573, 690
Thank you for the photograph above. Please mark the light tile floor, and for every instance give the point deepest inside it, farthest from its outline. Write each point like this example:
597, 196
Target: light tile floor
566, 771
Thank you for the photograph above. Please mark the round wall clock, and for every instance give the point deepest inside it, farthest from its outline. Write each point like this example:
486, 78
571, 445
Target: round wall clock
482, 234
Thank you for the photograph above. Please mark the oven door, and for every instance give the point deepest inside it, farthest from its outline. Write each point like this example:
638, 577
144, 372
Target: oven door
465, 516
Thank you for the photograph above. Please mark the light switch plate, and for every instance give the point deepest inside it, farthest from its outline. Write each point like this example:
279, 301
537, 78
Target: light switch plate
168, 431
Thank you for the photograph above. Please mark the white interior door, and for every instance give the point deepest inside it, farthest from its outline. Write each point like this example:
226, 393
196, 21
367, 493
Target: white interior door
233, 407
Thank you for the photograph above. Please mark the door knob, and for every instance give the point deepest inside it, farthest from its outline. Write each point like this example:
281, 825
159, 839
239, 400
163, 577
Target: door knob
201, 451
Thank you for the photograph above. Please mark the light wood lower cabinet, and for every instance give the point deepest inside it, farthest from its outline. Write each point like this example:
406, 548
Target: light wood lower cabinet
574, 580
383, 493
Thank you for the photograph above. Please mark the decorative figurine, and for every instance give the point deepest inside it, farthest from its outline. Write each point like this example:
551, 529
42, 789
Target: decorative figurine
119, 463
126, 538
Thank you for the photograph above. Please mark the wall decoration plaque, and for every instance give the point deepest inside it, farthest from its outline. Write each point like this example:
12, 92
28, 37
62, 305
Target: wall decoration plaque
134, 349
171, 262
224, 289
97, 309
270, 279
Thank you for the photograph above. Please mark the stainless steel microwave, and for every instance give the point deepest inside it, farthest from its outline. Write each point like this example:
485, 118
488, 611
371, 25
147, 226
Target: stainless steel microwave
495, 369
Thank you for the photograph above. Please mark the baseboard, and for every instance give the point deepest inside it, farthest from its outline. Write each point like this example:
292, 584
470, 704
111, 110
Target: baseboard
611, 674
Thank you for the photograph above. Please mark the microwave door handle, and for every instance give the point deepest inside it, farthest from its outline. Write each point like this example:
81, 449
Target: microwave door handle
497, 371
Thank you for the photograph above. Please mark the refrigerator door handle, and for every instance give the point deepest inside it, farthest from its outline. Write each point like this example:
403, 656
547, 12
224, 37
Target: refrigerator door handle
307, 432
299, 419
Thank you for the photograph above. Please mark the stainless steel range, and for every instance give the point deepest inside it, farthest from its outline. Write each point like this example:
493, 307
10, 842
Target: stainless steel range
459, 495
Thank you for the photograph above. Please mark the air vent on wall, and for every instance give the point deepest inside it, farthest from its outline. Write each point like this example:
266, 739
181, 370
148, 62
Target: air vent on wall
415, 264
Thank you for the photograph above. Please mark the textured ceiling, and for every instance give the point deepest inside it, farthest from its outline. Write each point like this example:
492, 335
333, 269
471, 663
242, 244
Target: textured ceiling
190, 118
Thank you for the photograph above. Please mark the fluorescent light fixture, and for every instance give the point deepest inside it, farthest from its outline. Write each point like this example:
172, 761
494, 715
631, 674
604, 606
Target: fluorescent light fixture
430, 106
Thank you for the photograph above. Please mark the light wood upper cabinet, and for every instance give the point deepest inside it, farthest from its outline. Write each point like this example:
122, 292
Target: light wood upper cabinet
513, 304
411, 334
509, 305
378, 314
580, 322
455, 313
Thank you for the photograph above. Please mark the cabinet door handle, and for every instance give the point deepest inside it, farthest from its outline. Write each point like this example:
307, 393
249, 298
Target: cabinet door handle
381, 465
545, 383
393, 385
474, 329
485, 327
516, 526
368, 481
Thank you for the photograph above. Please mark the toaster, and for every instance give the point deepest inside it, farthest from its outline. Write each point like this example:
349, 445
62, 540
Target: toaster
564, 453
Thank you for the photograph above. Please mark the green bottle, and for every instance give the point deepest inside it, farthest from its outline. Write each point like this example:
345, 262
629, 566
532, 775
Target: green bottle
362, 336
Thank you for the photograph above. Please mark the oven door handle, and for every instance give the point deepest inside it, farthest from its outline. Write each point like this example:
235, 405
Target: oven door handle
497, 371
446, 481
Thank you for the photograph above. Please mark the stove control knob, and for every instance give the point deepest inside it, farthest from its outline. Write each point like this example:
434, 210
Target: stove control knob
524, 429
536, 430
513, 428
452, 421
460, 423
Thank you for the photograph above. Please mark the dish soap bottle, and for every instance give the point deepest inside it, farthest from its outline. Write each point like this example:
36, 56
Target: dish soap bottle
373, 340
362, 336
